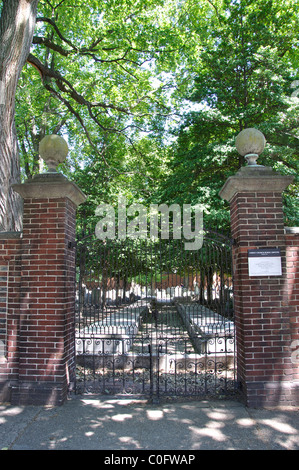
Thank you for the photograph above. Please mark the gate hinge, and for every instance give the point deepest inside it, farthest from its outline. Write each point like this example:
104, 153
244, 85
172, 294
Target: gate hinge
71, 245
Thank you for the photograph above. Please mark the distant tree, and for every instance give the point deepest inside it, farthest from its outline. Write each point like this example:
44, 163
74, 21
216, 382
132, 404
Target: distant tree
106, 74
246, 67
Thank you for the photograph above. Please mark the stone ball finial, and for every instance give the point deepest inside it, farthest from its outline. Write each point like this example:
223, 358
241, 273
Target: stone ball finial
53, 149
250, 143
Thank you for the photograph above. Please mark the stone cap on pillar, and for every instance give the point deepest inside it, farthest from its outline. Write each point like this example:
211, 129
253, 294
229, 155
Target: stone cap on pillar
51, 186
250, 143
53, 150
255, 179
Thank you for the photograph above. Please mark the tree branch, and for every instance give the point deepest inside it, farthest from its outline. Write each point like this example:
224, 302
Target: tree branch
52, 23
51, 45
65, 86
87, 51
78, 117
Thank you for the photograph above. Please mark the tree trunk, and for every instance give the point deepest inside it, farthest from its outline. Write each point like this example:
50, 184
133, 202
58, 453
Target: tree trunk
17, 24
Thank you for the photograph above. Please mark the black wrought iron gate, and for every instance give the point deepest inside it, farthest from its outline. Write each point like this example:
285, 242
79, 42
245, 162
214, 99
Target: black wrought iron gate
154, 319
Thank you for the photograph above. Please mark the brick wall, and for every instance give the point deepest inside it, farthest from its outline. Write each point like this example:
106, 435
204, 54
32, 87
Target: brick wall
46, 364
10, 276
266, 312
291, 295
37, 295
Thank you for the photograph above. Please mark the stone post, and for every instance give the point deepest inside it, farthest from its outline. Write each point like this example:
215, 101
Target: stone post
262, 311
47, 297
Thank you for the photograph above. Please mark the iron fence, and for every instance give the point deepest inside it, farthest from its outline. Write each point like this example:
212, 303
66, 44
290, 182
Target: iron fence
155, 319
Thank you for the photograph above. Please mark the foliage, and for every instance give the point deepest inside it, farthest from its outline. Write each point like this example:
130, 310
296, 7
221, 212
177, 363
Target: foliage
243, 79
151, 95
89, 74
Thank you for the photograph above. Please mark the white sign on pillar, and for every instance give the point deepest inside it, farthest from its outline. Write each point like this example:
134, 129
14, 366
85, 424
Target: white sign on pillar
264, 262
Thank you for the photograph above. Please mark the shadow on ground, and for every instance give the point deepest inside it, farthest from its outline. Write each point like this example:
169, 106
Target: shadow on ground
110, 424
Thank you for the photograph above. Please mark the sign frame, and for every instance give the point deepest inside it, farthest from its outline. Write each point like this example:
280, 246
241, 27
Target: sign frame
264, 262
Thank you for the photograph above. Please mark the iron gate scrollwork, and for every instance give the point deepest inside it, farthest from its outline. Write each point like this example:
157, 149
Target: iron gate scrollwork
153, 319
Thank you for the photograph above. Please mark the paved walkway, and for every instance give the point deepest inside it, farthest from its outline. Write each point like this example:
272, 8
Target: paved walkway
111, 424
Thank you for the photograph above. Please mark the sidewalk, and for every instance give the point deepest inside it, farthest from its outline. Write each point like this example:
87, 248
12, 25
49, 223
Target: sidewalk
111, 424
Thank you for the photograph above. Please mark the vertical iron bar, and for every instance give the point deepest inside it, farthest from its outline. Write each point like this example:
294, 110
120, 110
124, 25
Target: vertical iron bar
151, 370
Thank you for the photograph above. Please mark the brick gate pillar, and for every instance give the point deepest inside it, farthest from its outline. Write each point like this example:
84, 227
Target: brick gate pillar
46, 325
264, 321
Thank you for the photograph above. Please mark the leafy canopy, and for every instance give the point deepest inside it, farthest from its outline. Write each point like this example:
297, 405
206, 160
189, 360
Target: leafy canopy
151, 95
246, 65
